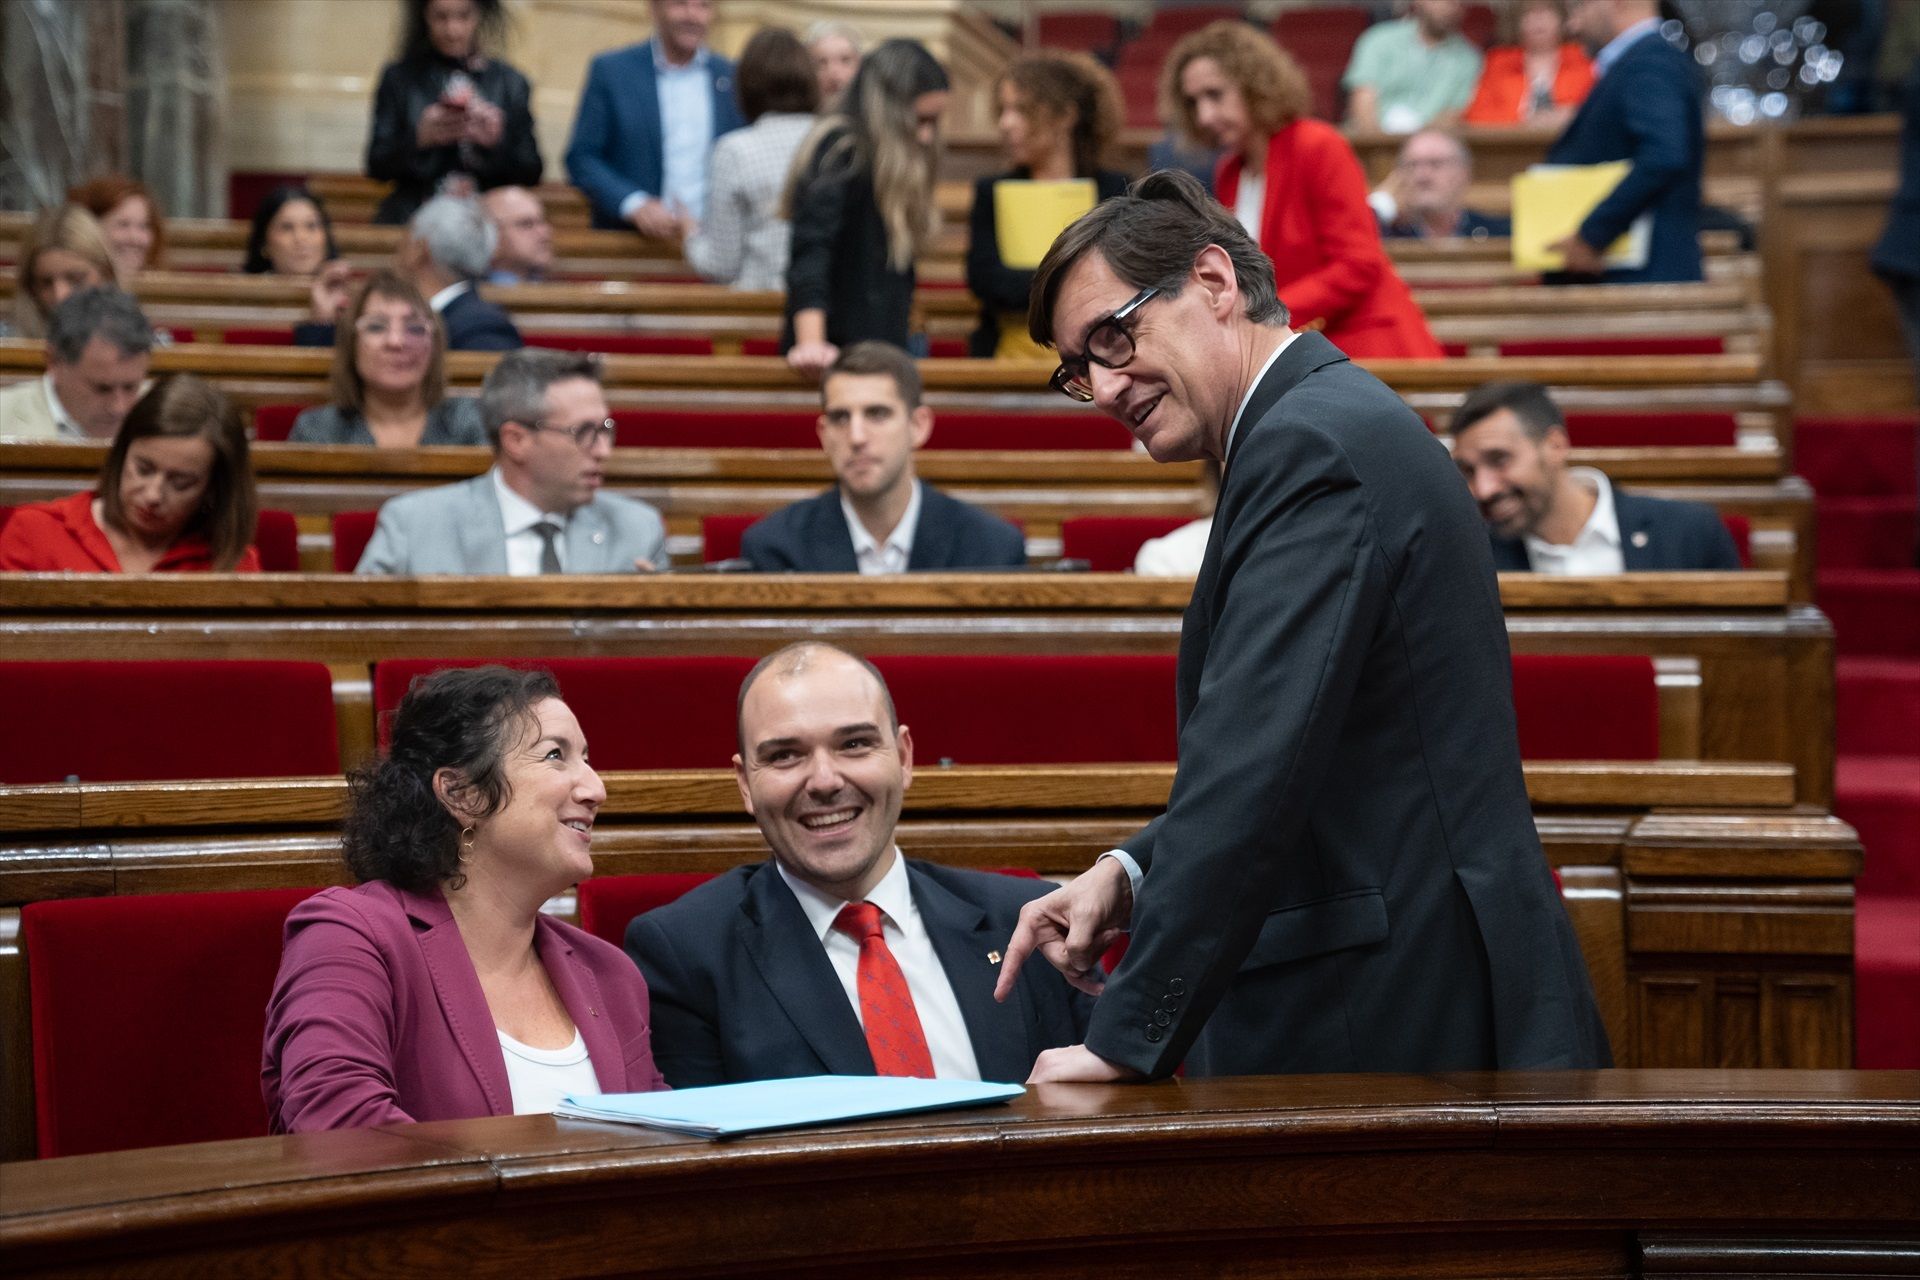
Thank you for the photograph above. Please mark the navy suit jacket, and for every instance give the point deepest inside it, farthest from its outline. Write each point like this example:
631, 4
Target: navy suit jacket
1655, 534
474, 324
617, 147
812, 537
1897, 256
1645, 109
743, 990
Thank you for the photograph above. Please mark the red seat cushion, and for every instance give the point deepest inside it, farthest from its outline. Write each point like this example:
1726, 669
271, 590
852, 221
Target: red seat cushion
1586, 707
1676, 346
259, 337
148, 1016
156, 721
625, 344
1651, 430
277, 538
1109, 543
1074, 709
720, 536
1741, 530
609, 903
352, 531
1886, 951
274, 422
795, 429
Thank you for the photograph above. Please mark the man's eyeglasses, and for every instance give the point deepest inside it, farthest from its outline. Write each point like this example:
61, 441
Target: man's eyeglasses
1109, 345
585, 435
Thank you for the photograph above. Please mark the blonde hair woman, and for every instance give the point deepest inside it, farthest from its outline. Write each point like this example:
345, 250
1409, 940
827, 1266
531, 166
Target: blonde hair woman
64, 252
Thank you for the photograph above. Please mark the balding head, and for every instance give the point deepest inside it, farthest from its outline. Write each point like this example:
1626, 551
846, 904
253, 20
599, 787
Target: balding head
798, 660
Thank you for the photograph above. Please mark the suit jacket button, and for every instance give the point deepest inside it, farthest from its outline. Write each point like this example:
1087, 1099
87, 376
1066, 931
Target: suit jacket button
1164, 1018
1176, 987
599, 538
1153, 1033
1169, 1002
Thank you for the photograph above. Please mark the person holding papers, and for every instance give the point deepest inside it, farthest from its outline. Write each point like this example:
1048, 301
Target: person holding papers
1644, 109
839, 956
1059, 114
435, 989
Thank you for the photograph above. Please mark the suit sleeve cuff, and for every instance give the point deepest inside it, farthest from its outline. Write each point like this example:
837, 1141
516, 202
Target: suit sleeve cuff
632, 203
1128, 865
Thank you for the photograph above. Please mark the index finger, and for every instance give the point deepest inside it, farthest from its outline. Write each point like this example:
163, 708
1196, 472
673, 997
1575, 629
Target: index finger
1019, 947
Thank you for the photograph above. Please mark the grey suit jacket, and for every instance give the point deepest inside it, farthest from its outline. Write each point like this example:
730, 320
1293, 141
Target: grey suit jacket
457, 528
24, 414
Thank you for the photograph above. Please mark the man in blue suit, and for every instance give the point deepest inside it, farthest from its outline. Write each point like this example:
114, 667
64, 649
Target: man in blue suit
1510, 442
1645, 108
839, 956
647, 122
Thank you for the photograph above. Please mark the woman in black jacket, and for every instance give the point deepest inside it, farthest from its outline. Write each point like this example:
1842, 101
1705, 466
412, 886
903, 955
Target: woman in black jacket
444, 108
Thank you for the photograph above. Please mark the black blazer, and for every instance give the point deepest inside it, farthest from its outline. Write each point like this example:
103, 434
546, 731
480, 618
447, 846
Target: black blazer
999, 287
743, 990
1897, 256
1347, 876
1655, 534
393, 150
812, 537
1645, 109
474, 324
837, 258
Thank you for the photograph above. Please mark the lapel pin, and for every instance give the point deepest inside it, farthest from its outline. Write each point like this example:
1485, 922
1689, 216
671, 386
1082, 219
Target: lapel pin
993, 957
1640, 538
599, 538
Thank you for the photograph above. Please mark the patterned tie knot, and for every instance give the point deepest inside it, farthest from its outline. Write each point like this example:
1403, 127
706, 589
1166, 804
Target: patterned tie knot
860, 920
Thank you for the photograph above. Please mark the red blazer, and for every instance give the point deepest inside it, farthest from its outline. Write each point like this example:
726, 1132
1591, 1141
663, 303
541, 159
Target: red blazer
377, 1016
61, 537
1325, 244
1502, 92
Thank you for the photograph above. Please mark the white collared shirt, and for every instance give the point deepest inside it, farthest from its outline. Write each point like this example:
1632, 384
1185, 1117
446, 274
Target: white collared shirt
1610, 53
906, 936
518, 518
892, 555
440, 301
1596, 548
1250, 201
62, 420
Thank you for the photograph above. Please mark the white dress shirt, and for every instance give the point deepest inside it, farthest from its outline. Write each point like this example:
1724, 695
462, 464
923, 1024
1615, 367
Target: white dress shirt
1250, 201
906, 936
892, 555
537, 1079
1177, 554
518, 518
686, 133
62, 420
1596, 548
440, 300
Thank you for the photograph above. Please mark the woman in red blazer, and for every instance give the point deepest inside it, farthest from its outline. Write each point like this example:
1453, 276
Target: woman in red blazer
1540, 80
1297, 186
437, 989
175, 495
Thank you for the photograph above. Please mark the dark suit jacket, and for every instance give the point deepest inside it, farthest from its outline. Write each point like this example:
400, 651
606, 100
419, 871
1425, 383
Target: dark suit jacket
812, 537
1645, 109
616, 147
474, 324
1655, 533
1347, 877
837, 256
743, 990
1897, 256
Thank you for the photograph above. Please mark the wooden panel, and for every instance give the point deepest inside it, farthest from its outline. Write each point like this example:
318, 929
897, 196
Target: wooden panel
1670, 1019
16, 1044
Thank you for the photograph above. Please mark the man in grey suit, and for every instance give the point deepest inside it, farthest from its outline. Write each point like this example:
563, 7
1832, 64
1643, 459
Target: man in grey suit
539, 509
1347, 876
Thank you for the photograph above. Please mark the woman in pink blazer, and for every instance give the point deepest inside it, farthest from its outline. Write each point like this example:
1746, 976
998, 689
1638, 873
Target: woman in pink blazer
435, 989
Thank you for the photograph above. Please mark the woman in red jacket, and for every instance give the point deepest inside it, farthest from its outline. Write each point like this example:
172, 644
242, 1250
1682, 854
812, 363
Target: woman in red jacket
1296, 186
1540, 80
175, 495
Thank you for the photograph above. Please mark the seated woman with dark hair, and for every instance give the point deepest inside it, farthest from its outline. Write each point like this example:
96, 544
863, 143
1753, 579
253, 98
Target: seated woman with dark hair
291, 235
389, 379
175, 495
435, 989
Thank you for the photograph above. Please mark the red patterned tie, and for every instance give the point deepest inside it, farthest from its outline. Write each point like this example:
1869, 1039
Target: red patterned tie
894, 1037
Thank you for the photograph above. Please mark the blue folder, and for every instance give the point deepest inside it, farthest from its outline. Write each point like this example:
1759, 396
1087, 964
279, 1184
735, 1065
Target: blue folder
728, 1110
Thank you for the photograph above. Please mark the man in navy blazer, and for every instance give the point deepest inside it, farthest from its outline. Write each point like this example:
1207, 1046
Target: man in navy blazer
647, 122
878, 517
1510, 442
752, 977
1645, 108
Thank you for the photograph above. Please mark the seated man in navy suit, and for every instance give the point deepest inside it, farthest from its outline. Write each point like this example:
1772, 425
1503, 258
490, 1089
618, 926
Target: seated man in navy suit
878, 517
839, 956
1510, 442
648, 118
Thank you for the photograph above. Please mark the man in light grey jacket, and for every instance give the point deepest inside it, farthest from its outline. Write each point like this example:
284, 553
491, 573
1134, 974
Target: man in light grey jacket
539, 508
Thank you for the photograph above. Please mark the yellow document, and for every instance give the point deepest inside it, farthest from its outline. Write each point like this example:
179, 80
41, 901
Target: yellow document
1028, 216
1550, 201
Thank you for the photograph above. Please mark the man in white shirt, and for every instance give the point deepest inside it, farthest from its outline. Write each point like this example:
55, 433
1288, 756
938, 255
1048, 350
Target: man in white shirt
1510, 442
540, 508
879, 517
98, 343
839, 956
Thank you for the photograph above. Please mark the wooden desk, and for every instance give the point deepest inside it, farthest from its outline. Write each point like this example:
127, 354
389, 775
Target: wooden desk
1643, 1173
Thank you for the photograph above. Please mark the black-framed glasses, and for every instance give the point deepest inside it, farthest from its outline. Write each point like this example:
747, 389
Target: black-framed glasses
585, 434
1109, 345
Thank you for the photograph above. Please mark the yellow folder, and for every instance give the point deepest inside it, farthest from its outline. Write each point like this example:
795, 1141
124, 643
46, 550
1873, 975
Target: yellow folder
1028, 216
1551, 201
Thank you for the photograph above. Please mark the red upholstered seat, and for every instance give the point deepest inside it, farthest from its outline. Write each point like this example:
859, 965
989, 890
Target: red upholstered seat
1081, 30
1109, 543
277, 537
148, 1015
1676, 346
352, 530
1886, 949
720, 536
609, 903
275, 421
1651, 430
1586, 707
795, 429
1478, 24
1000, 432
1034, 709
625, 344
177, 334
1741, 529
157, 721
259, 337
6, 514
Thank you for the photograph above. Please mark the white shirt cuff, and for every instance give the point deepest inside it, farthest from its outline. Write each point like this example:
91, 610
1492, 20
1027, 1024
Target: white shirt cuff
1385, 207
631, 203
1127, 864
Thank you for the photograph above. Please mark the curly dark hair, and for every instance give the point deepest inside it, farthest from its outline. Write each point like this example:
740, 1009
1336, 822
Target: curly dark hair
464, 719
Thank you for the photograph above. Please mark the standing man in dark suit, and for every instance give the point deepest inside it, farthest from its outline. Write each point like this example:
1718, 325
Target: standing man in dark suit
1644, 108
878, 517
647, 122
1347, 876
839, 956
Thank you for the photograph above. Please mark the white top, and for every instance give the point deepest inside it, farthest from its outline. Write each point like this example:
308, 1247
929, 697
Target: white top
540, 1078
517, 519
62, 420
440, 300
906, 936
1178, 554
743, 241
1249, 201
892, 555
1596, 548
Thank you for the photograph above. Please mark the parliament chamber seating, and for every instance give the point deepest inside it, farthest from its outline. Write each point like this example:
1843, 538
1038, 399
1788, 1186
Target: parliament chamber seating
1652, 430
274, 422
797, 429
352, 531
1673, 346
276, 537
624, 344
720, 536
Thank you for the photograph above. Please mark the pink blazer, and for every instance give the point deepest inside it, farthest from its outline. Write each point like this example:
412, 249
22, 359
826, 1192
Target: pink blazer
377, 1016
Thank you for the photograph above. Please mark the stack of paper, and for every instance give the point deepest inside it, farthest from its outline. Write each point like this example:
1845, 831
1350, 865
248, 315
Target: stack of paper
726, 1110
1550, 201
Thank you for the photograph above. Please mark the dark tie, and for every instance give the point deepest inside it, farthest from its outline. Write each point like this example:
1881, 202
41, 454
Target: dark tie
894, 1037
549, 546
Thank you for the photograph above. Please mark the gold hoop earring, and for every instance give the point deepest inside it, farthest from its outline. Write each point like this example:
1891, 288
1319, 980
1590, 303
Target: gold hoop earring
466, 843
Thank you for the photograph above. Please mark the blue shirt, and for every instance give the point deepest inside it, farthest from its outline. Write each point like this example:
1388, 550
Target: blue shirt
686, 127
